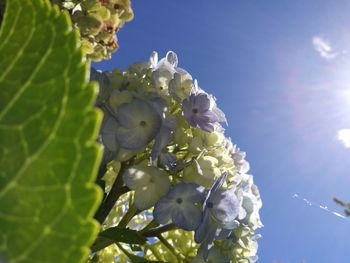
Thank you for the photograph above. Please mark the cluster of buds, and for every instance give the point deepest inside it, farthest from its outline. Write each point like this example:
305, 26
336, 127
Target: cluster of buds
164, 142
98, 21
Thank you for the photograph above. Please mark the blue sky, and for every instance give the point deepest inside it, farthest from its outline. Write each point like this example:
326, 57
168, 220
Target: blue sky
280, 72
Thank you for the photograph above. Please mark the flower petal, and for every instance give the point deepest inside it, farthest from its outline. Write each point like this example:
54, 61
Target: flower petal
201, 231
108, 134
161, 140
131, 114
208, 127
146, 197
162, 76
132, 139
207, 242
188, 218
139, 124
153, 59
162, 210
171, 57
182, 203
136, 177
215, 187
202, 102
225, 207
222, 233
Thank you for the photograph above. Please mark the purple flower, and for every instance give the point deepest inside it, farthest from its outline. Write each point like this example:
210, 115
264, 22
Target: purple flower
182, 205
108, 132
169, 123
170, 162
162, 139
200, 111
220, 210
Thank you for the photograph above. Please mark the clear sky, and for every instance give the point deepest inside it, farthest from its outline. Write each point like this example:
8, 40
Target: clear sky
281, 72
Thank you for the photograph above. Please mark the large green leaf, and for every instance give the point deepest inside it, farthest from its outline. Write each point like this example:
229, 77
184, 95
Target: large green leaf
48, 127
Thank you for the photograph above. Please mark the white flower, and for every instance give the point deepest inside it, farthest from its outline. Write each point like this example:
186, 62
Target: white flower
164, 71
149, 184
203, 171
181, 85
138, 123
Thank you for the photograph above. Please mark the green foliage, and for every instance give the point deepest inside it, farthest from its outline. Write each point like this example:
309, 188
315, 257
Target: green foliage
116, 234
48, 127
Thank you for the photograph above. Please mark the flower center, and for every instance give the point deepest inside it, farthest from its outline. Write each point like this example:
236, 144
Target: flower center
143, 123
195, 111
210, 205
179, 200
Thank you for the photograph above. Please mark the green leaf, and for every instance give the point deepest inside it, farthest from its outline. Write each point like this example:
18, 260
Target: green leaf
48, 128
123, 235
115, 235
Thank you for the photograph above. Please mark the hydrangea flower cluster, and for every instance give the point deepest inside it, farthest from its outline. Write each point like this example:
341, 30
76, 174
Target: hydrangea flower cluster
187, 185
98, 21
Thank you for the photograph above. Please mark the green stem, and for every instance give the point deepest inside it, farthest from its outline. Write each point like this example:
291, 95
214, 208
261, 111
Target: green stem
124, 251
150, 225
170, 248
128, 216
116, 191
154, 252
157, 231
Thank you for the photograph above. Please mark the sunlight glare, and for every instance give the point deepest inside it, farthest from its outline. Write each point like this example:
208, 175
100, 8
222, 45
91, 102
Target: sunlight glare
344, 136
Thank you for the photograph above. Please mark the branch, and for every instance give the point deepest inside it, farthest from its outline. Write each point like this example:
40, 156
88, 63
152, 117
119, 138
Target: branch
116, 191
128, 216
157, 231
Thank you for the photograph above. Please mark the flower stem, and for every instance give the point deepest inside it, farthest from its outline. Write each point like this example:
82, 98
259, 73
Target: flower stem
151, 224
132, 211
154, 251
157, 231
170, 248
130, 256
116, 191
